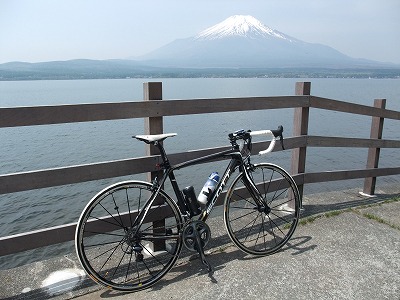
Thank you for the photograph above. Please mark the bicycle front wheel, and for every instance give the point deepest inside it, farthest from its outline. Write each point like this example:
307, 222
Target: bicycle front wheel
118, 252
262, 227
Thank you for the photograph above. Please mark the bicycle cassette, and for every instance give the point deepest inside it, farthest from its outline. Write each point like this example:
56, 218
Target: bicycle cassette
190, 231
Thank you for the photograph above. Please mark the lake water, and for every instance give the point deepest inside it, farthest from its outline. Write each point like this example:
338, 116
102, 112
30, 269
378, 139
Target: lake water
48, 146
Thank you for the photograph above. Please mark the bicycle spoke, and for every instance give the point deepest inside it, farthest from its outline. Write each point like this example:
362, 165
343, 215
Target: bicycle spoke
134, 223
276, 226
127, 270
103, 233
259, 232
109, 257
147, 268
277, 197
252, 225
249, 208
269, 182
242, 198
119, 264
129, 207
103, 244
281, 218
280, 204
137, 272
272, 229
117, 209
243, 216
139, 198
118, 224
151, 254
265, 234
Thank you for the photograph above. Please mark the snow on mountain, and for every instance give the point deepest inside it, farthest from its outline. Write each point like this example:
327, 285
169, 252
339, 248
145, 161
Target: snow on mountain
239, 25
244, 42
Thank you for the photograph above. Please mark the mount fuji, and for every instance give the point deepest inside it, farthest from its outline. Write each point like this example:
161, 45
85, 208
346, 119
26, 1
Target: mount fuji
244, 42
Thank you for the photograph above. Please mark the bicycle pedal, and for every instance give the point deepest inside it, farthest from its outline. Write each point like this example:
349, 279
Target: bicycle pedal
205, 262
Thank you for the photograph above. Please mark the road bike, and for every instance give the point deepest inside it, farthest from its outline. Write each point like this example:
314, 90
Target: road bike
131, 233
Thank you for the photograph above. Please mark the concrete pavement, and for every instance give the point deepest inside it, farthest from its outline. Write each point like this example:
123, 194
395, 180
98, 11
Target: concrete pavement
347, 247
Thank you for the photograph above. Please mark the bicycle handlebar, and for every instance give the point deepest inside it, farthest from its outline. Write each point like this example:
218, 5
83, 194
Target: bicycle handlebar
274, 133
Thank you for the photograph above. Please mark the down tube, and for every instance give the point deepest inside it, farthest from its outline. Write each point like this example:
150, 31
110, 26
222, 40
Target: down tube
227, 174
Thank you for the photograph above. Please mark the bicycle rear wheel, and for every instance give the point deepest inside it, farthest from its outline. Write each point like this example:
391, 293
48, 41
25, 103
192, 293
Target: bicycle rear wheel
262, 229
119, 253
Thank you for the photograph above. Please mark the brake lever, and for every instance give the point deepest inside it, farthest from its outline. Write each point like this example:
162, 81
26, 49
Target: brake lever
281, 139
279, 132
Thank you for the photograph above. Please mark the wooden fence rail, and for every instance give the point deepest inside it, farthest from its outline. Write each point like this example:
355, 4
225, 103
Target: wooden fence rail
153, 111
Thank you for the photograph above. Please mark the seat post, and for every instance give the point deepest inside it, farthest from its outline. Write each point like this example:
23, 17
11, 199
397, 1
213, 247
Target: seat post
163, 154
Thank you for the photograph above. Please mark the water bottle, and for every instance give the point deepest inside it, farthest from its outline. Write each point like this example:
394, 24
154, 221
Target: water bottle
208, 188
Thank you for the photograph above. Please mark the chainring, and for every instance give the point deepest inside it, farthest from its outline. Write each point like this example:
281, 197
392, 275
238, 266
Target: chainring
189, 234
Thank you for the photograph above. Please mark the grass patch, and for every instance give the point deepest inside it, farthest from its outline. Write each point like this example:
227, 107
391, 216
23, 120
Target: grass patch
380, 220
333, 213
330, 214
309, 220
375, 218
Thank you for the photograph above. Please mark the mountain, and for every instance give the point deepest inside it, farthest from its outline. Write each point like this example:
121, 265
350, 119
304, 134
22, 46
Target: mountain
244, 42
240, 46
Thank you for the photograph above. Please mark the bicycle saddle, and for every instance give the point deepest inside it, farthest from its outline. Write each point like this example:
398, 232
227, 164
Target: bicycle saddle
151, 138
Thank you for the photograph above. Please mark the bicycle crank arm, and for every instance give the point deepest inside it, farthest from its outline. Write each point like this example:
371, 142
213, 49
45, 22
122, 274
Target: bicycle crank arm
200, 249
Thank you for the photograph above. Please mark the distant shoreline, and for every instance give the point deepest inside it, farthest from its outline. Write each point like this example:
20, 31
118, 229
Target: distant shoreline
120, 69
60, 74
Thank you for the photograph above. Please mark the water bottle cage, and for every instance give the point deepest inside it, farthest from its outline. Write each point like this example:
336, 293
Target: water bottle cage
207, 194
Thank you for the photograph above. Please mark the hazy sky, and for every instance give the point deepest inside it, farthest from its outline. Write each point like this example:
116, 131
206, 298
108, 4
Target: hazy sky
44, 30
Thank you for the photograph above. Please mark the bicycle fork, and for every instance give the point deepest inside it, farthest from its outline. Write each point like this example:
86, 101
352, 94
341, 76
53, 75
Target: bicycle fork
254, 191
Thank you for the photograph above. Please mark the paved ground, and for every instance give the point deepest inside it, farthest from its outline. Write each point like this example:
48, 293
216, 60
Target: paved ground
353, 254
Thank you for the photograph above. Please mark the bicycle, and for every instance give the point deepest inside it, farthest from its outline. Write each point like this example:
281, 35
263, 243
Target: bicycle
131, 233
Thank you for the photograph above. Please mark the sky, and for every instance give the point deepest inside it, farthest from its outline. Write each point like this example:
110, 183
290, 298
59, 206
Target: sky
48, 30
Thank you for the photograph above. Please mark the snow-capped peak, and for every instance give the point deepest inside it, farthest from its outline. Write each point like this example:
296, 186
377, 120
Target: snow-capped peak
239, 25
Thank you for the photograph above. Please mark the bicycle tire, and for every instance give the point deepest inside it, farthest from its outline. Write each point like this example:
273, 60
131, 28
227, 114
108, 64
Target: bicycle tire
262, 230
118, 253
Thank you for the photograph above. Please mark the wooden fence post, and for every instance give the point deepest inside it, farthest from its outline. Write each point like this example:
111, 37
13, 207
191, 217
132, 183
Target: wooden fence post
300, 127
373, 153
154, 125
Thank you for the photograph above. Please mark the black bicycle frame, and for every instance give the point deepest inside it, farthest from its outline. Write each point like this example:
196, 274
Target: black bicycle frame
236, 161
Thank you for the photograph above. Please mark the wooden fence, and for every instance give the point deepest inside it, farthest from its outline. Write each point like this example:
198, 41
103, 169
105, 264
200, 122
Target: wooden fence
153, 108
